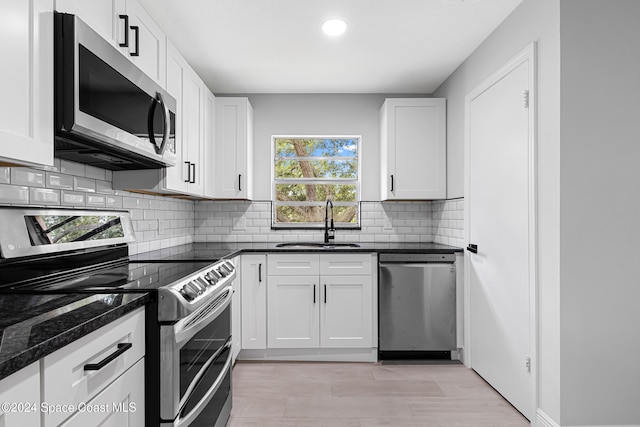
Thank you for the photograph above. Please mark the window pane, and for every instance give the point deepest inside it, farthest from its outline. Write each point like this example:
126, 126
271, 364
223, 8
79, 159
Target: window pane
316, 192
316, 147
291, 168
316, 214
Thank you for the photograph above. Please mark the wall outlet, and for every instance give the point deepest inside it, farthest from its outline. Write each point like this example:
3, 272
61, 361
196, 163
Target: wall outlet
160, 227
387, 224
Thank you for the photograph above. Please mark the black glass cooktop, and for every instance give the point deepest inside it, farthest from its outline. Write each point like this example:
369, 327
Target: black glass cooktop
124, 277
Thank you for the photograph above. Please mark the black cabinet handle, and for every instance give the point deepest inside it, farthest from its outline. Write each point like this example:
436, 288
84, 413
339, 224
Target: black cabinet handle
239, 182
325, 293
472, 248
136, 30
125, 18
391, 182
104, 362
314, 293
188, 171
193, 177
259, 272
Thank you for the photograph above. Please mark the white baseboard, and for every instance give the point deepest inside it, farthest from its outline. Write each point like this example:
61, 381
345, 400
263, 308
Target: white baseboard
543, 420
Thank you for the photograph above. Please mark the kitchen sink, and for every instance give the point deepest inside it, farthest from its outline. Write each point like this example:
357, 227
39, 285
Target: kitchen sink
317, 245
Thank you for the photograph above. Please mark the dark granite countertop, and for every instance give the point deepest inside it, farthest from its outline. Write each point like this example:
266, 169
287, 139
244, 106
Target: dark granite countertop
33, 326
215, 251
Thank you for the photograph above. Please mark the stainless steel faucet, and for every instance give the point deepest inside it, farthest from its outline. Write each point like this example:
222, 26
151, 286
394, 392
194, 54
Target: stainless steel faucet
329, 230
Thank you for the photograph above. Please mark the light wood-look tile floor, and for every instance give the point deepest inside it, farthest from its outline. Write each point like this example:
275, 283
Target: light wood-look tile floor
365, 395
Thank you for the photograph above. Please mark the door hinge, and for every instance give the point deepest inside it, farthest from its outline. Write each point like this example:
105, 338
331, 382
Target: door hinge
526, 98
527, 363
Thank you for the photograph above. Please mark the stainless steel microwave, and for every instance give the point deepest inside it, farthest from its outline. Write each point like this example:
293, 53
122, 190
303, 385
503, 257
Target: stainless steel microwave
108, 113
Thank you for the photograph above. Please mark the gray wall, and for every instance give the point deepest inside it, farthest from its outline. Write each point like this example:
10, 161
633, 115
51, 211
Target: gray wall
320, 114
600, 151
532, 21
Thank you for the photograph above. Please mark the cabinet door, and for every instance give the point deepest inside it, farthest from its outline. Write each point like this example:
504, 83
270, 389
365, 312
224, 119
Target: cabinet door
192, 115
236, 311
293, 312
234, 148
254, 301
21, 388
26, 82
147, 43
103, 16
208, 151
121, 404
414, 146
175, 176
346, 313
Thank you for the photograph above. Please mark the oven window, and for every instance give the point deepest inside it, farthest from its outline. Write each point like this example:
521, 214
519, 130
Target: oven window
201, 348
210, 413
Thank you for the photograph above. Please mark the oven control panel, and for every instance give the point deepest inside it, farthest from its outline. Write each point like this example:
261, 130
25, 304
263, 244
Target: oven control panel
187, 295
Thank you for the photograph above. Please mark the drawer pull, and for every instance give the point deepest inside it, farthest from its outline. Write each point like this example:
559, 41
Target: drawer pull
104, 362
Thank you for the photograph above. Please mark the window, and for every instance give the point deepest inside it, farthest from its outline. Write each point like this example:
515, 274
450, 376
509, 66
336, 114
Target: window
308, 171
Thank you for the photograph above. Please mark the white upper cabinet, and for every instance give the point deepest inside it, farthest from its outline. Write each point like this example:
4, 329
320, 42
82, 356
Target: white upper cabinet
413, 149
233, 163
26, 82
208, 149
126, 25
194, 124
147, 43
106, 17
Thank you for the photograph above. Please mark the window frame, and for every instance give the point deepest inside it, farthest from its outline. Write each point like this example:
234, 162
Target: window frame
318, 226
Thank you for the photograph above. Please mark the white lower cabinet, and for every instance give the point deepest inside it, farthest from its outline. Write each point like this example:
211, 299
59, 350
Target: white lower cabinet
346, 312
292, 314
254, 301
20, 394
121, 404
236, 312
70, 376
330, 310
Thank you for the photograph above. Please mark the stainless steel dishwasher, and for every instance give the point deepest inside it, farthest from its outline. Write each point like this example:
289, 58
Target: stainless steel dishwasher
417, 306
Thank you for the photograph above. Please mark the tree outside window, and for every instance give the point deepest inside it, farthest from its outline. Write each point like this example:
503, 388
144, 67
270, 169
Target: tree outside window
308, 171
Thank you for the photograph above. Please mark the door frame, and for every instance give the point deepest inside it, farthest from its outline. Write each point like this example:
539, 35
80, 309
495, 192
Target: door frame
528, 54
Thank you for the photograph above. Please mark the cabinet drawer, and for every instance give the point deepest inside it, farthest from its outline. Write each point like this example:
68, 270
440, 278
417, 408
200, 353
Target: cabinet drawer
65, 380
121, 404
345, 264
293, 264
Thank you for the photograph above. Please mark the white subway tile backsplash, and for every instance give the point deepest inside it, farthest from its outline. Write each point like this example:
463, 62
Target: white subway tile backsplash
59, 181
87, 185
26, 176
72, 168
72, 198
44, 196
95, 173
14, 194
114, 202
96, 200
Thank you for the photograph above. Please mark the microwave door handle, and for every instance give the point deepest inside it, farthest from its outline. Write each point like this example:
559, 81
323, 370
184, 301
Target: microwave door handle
165, 120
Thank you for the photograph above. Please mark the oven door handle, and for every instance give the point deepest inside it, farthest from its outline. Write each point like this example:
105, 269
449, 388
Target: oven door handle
185, 421
183, 334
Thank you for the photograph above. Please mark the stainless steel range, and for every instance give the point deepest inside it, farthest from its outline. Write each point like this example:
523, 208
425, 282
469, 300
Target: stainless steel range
188, 335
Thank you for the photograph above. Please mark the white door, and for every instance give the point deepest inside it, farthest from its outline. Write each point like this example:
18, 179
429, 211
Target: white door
346, 312
292, 317
254, 301
500, 215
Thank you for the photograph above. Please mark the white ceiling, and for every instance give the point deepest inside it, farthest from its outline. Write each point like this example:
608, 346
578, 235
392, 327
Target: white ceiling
276, 46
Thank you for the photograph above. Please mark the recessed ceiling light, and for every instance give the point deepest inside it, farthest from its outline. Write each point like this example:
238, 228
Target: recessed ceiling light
334, 27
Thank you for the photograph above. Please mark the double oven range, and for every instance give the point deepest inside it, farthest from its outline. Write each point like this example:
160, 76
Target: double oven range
188, 358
